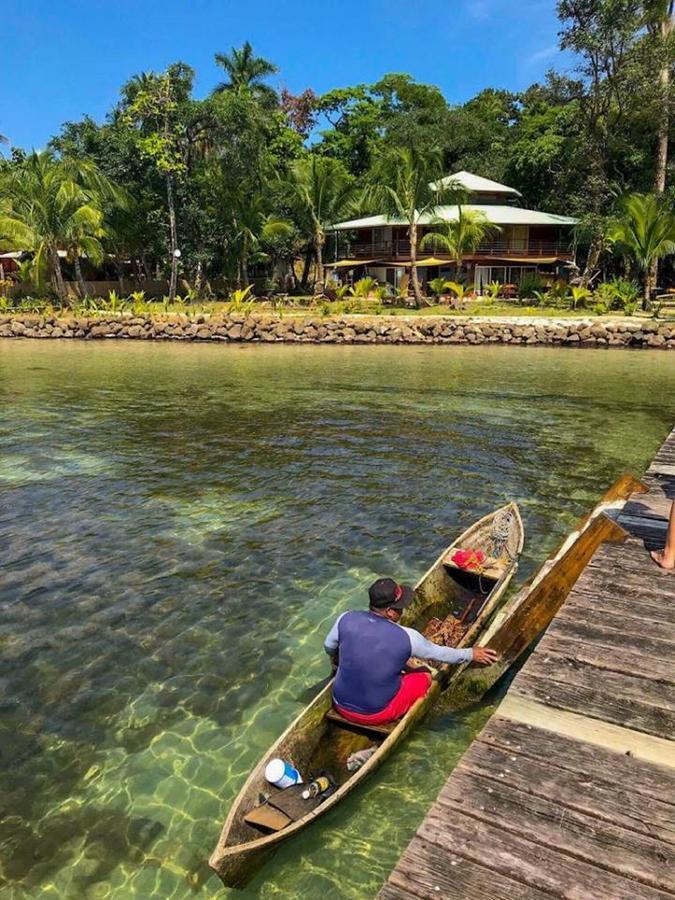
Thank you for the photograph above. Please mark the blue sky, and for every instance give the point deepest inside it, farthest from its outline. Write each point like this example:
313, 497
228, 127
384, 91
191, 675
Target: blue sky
61, 60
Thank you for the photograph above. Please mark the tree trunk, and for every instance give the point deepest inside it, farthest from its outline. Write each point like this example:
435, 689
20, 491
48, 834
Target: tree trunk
648, 287
80, 280
414, 280
319, 239
664, 118
305, 268
198, 279
174, 239
664, 122
594, 252
120, 273
244, 263
57, 275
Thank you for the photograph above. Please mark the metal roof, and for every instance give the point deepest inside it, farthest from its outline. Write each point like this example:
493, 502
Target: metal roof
498, 215
476, 184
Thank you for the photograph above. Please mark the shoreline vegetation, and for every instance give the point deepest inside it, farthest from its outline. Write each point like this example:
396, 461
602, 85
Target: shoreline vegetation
248, 187
232, 327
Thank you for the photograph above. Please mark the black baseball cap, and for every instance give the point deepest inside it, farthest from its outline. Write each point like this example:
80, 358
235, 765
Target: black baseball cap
385, 593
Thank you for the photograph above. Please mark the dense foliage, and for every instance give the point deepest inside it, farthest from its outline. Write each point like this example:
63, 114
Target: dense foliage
246, 180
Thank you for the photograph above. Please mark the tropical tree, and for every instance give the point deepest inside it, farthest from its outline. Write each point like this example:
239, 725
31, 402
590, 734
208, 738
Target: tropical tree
405, 184
461, 236
254, 227
155, 110
660, 22
646, 232
246, 74
50, 205
321, 192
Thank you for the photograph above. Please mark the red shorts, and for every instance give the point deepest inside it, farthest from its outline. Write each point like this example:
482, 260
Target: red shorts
413, 686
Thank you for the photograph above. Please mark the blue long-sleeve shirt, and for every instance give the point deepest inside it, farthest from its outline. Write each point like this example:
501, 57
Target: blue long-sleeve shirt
373, 650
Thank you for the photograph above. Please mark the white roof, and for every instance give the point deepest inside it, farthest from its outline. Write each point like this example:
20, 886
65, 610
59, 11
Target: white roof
498, 215
476, 184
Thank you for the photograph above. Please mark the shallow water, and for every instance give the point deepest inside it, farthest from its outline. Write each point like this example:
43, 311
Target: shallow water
181, 524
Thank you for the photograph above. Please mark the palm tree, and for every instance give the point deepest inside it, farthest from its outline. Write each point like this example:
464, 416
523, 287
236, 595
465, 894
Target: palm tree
246, 73
51, 204
645, 231
253, 227
322, 190
405, 183
461, 236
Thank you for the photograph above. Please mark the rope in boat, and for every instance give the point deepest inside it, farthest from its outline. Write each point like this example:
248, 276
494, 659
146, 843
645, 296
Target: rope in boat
501, 531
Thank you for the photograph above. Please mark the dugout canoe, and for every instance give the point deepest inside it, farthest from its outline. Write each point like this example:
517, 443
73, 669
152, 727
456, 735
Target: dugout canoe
320, 741
520, 620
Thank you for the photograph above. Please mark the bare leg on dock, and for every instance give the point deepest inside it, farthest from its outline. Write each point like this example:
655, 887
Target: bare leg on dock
666, 558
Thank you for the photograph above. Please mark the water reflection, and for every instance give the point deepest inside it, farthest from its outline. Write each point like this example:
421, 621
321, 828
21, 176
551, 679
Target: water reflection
181, 524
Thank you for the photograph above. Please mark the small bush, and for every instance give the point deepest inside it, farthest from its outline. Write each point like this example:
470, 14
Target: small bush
241, 301
364, 286
437, 286
578, 296
529, 285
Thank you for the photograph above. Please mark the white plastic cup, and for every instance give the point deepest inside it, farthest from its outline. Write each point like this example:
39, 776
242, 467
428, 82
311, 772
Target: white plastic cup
282, 774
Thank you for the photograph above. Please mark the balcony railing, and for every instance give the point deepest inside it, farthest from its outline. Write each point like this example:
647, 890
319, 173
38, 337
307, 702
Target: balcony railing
516, 248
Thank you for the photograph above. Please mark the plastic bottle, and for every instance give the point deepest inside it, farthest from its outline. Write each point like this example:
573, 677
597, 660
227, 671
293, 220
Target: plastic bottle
356, 760
282, 774
319, 786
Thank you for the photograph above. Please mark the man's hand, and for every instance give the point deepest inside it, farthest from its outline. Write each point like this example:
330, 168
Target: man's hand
484, 656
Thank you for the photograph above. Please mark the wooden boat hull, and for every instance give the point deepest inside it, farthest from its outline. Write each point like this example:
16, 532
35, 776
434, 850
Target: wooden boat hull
523, 618
238, 853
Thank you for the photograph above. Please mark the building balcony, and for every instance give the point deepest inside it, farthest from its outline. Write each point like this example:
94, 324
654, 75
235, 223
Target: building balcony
499, 249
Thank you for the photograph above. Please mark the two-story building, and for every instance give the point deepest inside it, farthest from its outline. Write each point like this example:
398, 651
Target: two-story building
525, 242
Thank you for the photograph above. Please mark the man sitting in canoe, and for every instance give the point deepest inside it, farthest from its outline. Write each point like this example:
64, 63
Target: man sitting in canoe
371, 687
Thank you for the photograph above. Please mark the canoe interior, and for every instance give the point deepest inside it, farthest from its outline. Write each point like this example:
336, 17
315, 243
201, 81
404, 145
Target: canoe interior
316, 745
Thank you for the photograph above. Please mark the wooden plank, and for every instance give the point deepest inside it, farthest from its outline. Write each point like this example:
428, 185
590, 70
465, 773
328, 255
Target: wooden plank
648, 747
657, 607
604, 795
515, 856
427, 871
581, 759
573, 673
587, 838
594, 700
622, 622
656, 591
612, 658
627, 576
606, 638
651, 531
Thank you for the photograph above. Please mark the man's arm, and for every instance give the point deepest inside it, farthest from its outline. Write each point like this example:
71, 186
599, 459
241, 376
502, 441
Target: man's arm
424, 649
330, 644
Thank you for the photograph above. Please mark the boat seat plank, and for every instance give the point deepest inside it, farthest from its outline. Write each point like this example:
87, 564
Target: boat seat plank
267, 818
491, 568
381, 731
291, 803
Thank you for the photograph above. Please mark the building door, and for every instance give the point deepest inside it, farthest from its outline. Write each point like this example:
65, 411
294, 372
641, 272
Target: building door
520, 238
481, 278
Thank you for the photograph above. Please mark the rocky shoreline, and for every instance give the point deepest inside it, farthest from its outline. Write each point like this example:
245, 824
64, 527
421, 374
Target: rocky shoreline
348, 329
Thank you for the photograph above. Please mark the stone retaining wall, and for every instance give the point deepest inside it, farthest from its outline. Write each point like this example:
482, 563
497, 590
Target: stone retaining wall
634, 333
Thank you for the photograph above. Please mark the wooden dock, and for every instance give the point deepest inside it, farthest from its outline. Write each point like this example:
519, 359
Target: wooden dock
569, 791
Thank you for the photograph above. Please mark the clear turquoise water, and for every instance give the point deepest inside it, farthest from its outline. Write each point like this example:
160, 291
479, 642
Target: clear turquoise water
181, 524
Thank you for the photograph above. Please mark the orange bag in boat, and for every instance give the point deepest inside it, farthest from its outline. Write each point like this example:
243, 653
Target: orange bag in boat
468, 559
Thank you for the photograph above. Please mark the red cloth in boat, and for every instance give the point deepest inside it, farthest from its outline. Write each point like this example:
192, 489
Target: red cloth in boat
468, 559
